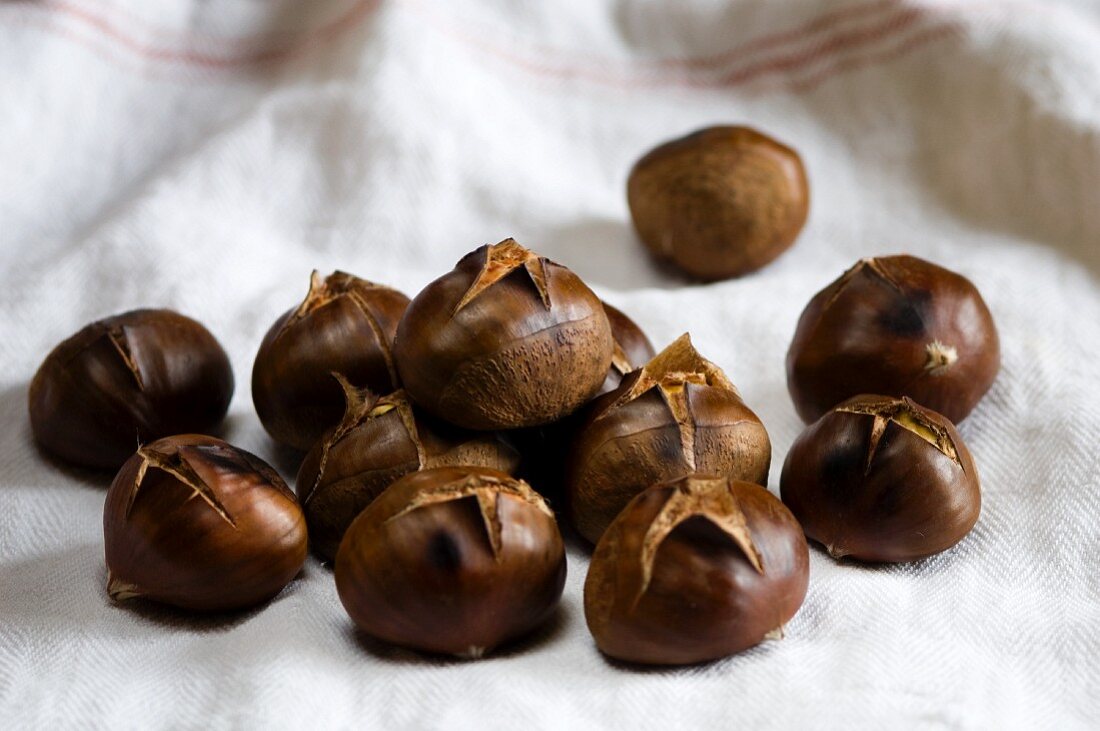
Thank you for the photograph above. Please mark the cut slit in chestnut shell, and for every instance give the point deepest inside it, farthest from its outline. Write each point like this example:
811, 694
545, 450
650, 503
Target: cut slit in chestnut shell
506, 340
677, 415
452, 560
379, 440
882, 479
345, 325
197, 523
897, 326
127, 380
694, 570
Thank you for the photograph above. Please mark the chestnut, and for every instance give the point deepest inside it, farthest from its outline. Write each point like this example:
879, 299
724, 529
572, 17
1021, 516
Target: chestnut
507, 339
379, 440
197, 523
720, 202
345, 325
694, 570
452, 560
125, 380
882, 479
898, 326
677, 415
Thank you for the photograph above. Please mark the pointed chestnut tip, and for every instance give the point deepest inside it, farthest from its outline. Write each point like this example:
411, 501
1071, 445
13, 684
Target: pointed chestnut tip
120, 591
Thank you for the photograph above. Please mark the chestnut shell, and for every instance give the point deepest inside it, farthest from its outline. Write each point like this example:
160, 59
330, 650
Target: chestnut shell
898, 326
125, 380
197, 523
378, 441
694, 570
345, 325
882, 479
676, 416
720, 202
452, 560
508, 339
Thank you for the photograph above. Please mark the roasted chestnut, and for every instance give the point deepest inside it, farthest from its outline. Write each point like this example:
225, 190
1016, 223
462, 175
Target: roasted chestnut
452, 560
345, 325
126, 380
379, 440
199, 524
507, 339
899, 326
882, 479
720, 202
677, 415
694, 570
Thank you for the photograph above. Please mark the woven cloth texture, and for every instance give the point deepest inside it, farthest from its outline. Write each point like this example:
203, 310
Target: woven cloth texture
205, 156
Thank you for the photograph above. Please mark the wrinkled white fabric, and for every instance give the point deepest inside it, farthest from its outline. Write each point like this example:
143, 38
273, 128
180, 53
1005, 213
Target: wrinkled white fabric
205, 156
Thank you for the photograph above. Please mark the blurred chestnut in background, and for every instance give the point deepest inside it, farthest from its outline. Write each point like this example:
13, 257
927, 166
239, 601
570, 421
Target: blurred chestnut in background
126, 380
694, 570
677, 415
197, 523
882, 479
720, 202
345, 325
507, 339
898, 326
453, 560
379, 440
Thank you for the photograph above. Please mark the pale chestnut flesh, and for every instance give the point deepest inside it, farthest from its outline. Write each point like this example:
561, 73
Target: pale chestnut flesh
125, 380
677, 415
882, 479
694, 570
452, 560
506, 340
194, 522
345, 326
897, 326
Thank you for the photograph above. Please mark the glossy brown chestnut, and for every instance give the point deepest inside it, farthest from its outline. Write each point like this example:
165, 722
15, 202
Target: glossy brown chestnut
508, 339
199, 524
453, 560
694, 570
379, 440
677, 415
126, 380
720, 202
899, 326
882, 479
345, 325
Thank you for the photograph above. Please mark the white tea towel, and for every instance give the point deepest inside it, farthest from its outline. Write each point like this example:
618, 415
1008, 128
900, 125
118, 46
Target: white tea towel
205, 156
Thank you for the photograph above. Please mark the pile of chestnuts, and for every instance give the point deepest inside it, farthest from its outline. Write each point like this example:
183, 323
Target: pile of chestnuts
438, 435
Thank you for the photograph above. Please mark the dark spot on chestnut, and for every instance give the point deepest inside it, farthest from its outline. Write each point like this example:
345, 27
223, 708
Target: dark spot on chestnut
904, 319
444, 552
